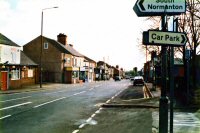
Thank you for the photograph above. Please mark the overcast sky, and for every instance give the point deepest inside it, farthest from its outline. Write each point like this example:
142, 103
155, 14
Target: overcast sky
97, 28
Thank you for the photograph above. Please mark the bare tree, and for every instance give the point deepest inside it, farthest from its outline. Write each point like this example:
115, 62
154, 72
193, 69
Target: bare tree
148, 49
190, 23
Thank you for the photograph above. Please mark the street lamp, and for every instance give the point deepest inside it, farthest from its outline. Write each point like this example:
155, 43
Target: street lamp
42, 44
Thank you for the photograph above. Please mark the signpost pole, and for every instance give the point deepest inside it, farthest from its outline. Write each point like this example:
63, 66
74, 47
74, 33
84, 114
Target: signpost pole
162, 38
163, 109
171, 88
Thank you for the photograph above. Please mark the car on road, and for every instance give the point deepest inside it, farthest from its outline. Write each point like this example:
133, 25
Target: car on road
131, 78
117, 78
138, 80
127, 77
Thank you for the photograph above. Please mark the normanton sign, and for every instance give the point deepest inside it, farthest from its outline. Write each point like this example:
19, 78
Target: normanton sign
159, 7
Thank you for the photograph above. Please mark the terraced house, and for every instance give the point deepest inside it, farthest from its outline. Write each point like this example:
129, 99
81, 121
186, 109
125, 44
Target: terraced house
60, 62
16, 68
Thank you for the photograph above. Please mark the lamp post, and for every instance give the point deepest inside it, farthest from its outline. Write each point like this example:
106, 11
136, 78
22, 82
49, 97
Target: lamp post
42, 44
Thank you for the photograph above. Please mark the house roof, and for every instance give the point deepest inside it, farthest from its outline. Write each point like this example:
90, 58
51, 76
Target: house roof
26, 61
6, 41
88, 59
102, 63
66, 49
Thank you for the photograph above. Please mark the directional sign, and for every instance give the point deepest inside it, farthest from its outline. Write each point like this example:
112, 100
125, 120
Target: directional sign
159, 7
164, 38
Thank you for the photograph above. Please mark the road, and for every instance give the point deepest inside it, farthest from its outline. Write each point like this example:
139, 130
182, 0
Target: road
61, 109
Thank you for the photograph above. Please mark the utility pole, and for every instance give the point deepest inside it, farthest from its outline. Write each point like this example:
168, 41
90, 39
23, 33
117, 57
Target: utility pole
41, 45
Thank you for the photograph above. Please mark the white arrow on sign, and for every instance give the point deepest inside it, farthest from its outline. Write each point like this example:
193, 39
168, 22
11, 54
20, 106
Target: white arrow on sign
167, 38
165, 6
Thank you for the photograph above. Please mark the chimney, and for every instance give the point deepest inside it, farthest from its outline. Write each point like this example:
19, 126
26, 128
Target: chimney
117, 66
62, 38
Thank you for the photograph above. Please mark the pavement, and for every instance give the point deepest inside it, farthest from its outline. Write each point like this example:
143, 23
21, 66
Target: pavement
36, 87
45, 86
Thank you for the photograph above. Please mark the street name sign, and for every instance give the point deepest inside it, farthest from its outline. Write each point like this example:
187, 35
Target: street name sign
153, 37
159, 7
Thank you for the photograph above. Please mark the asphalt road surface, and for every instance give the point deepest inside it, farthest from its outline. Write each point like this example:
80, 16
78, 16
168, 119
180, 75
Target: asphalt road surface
60, 109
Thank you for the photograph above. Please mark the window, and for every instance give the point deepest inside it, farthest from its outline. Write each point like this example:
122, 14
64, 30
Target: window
15, 74
75, 62
46, 45
68, 60
75, 74
30, 73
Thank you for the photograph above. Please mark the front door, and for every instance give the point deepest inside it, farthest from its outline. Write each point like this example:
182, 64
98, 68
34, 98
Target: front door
4, 81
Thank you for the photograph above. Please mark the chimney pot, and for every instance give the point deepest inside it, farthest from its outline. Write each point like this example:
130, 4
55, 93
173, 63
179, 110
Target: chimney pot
62, 38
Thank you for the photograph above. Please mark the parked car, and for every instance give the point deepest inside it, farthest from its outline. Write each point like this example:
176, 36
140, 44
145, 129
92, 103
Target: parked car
138, 80
117, 78
127, 77
131, 78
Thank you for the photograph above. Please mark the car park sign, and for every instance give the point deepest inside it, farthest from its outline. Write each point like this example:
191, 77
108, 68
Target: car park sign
159, 7
152, 37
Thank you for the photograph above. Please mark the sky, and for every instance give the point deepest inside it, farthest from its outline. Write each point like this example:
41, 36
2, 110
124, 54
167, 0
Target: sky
100, 29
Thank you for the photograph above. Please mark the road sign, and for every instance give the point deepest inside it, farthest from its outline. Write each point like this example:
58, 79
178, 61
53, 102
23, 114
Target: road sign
153, 37
159, 7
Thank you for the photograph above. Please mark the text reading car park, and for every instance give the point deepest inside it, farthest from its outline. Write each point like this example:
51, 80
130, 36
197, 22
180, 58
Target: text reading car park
166, 37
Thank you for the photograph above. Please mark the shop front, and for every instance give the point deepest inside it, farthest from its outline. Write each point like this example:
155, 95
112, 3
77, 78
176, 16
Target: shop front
82, 74
72, 75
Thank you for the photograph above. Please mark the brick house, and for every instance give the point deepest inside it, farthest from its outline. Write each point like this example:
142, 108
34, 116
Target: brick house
87, 73
103, 71
16, 69
60, 61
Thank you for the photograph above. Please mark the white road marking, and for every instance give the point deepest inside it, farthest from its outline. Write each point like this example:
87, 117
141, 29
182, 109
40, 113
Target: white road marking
108, 101
91, 88
5, 117
97, 86
49, 102
82, 125
79, 93
98, 111
75, 131
56, 92
89, 119
58, 99
93, 115
17, 105
14, 99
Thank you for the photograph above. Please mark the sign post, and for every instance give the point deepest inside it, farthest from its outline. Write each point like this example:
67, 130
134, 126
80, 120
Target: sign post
162, 38
163, 104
